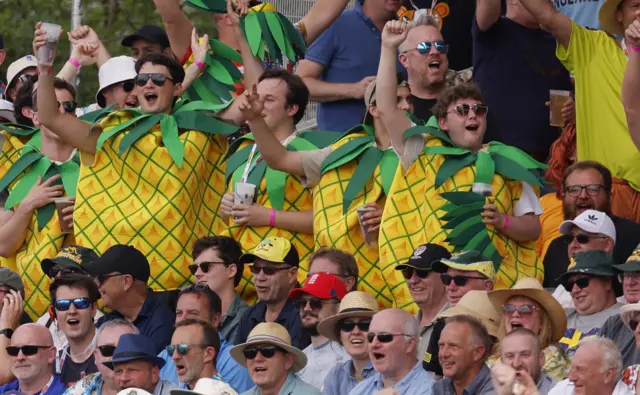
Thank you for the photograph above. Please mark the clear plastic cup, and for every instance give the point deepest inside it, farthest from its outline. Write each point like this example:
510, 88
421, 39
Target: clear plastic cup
244, 193
370, 238
482, 189
47, 52
557, 99
61, 204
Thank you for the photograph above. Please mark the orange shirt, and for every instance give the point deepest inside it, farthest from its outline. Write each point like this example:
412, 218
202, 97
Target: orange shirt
550, 222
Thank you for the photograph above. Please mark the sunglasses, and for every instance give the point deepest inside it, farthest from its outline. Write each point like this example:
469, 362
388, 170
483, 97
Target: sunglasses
268, 270
348, 326
183, 348
69, 106
582, 283
383, 337
158, 79
107, 350
315, 303
128, 86
267, 351
525, 309
425, 47
633, 325
79, 303
26, 350
464, 108
584, 239
63, 271
460, 281
25, 78
407, 272
102, 278
576, 190
204, 266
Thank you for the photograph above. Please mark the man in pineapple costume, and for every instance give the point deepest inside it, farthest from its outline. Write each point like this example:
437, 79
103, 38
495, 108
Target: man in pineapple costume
354, 172
453, 190
30, 229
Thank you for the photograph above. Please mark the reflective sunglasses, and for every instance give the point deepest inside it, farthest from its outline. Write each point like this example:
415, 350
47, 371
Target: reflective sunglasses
383, 337
69, 106
576, 190
582, 283
268, 270
425, 47
158, 79
204, 266
79, 303
464, 108
107, 350
348, 326
62, 270
460, 281
584, 239
525, 309
407, 272
633, 325
267, 351
183, 348
315, 303
128, 86
26, 350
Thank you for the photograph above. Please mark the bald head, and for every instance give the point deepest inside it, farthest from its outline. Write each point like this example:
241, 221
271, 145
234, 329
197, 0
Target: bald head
396, 321
37, 334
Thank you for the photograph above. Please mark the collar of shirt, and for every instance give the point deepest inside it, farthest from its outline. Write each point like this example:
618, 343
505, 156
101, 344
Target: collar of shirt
545, 384
233, 309
479, 382
433, 321
148, 306
288, 313
349, 368
217, 377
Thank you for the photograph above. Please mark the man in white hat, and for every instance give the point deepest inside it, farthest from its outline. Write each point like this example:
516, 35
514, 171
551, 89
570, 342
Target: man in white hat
25, 66
116, 83
272, 362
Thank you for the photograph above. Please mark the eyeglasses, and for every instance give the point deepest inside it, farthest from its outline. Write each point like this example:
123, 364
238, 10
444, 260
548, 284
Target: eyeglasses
128, 86
204, 266
62, 270
26, 350
315, 303
576, 190
183, 348
584, 239
79, 303
348, 326
268, 270
425, 47
158, 79
407, 272
582, 283
525, 309
267, 351
69, 106
107, 350
102, 278
633, 325
463, 109
621, 277
460, 281
383, 337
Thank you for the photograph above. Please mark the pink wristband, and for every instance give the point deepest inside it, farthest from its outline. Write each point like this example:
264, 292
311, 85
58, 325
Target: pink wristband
200, 65
506, 222
634, 48
74, 62
272, 217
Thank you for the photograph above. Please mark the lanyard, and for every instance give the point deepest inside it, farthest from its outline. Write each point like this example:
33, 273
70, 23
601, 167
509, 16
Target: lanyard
624, 49
46, 386
249, 167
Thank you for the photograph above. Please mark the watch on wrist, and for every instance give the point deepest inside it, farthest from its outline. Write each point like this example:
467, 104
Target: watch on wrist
8, 332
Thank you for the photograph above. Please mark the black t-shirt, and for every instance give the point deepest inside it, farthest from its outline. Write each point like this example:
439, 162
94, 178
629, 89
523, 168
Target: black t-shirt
556, 260
422, 108
456, 17
430, 361
73, 372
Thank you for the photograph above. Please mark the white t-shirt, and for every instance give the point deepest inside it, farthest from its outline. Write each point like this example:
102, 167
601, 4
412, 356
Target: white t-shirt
566, 387
320, 360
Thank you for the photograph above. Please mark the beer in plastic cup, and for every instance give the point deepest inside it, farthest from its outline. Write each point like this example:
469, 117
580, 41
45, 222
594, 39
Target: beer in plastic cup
62, 203
243, 194
482, 189
47, 52
369, 237
557, 100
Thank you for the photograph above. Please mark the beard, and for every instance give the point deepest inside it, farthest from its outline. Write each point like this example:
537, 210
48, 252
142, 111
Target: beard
570, 211
312, 327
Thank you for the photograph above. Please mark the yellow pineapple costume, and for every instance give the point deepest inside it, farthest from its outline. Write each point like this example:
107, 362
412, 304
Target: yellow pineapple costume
155, 183
44, 238
432, 202
357, 172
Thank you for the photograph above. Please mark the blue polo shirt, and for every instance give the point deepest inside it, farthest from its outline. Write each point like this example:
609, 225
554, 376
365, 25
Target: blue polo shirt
57, 387
155, 321
417, 382
349, 50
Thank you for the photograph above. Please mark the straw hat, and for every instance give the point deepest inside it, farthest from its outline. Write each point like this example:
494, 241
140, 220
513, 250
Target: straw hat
207, 386
275, 335
354, 304
628, 312
607, 17
477, 304
532, 289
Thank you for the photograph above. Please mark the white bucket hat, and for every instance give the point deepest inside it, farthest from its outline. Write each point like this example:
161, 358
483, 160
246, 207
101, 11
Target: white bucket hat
113, 71
19, 66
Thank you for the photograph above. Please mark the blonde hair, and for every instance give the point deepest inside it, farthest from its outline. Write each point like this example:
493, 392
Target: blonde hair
425, 20
546, 333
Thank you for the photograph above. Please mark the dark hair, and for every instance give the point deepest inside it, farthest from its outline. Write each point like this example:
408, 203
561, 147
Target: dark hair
467, 90
213, 300
479, 331
227, 249
175, 69
345, 261
26, 95
297, 91
526, 332
590, 165
210, 334
76, 281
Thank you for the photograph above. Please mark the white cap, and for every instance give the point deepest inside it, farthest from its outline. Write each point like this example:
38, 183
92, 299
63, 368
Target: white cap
591, 221
207, 386
114, 70
6, 111
19, 66
134, 391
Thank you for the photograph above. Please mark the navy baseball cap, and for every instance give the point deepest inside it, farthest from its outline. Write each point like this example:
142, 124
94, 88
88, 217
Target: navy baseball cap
149, 33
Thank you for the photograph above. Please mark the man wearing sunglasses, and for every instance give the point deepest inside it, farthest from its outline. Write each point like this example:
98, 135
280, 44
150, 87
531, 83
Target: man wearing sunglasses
25, 66
116, 83
463, 272
318, 299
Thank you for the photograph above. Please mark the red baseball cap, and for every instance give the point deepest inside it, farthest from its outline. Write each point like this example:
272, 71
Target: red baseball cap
321, 286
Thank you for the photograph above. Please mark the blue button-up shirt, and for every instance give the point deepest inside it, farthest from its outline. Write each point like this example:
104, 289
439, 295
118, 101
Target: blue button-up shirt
341, 378
416, 382
56, 387
481, 385
232, 373
292, 386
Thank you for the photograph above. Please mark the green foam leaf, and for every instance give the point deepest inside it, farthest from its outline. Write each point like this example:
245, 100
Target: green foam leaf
485, 168
363, 173
451, 166
170, 139
19, 167
28, 180
276, 181
139, 130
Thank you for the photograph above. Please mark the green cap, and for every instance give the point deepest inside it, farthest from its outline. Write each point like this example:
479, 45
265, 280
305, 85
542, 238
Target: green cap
632, 264
468, 261
71, 256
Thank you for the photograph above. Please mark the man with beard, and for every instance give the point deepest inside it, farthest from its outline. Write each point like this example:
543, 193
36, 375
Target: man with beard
521, 350
319, 299
587, 185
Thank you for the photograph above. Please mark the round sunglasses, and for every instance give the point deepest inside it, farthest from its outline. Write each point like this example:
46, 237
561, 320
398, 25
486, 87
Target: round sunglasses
79, 303
266, 351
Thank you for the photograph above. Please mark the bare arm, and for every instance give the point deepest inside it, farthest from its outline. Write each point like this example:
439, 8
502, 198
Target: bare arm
550, 19
487, 13
322, 91
295, 221
257, 215
177, 24
631, 84
320, 17
520, 228
199, 50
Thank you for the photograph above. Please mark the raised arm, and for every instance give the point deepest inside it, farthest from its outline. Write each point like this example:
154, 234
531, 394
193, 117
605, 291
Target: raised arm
320, 17
487, 13
12, 309
631, 82
177, 25
322, 91
550, 19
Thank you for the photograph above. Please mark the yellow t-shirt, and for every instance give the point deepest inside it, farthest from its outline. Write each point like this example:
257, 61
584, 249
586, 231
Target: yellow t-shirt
550, 222
598, 64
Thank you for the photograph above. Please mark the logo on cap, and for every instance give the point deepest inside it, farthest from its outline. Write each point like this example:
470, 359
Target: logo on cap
592, 218
265, 245
313, 279
419, 251
30, 58
572, 263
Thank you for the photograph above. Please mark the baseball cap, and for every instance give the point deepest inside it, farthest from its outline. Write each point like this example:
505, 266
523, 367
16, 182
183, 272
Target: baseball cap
7, 111
113, 71
123, 259
370, 97
321, 286
11, 279
150, 33
468, 261
591, 221
424, 256
70, 256
17, 67
274, 249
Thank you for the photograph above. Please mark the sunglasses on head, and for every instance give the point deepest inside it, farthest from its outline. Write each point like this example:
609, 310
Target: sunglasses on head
348, 326
522, 310
158, 79
408, 271
107, 350
26, 350
383, 337
460, 281
582, 283
633, 325
183, 348
268, 270
79, 303
584, 239
266, 351
576, 190
204, 266
63, 271
425, 47
464, 108
68, 106
315, 303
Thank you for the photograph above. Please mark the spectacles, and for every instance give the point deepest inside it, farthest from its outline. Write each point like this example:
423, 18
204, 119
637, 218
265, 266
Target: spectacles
463, 109
268, 270
69, 106
79, 303
267, 351
204, 266
584, 239
525, 309
348, 326
183, 348
128, 86
633, 325
315, 303
26, 350
158, 79
576, 190
582, 283
107, 350
425, 47
62, 270
621, 277
407, 272
460, 281
102, 278
383, 337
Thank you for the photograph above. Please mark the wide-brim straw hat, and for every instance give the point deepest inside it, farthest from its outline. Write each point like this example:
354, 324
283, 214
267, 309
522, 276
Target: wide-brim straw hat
354, 304
272, 334
607, 17
532, 289
477, 304
628, 312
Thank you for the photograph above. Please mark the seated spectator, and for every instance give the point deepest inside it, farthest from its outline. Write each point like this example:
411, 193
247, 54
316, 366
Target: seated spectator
32, 358
10, 283
12, 305
318, 299
350, 328
103, 382
593, 285
273, 361
122, 273
216, 263
207, 386
275, 264
596, 368
464, 272
135, 365
528, 305
339, 263
393, 342
148, 39
18, 73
